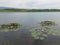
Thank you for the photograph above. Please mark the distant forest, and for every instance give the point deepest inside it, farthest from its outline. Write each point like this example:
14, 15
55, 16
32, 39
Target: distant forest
29, 10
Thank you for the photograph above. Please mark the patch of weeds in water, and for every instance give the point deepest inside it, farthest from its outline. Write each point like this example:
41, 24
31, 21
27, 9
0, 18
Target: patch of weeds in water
10, 27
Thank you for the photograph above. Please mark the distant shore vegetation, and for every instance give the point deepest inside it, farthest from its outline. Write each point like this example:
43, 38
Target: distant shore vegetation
29, 10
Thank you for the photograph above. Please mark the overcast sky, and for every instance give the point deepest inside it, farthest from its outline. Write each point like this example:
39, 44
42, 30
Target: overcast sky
36, 4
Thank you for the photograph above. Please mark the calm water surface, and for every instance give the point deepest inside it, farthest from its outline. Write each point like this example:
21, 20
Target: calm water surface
27, 19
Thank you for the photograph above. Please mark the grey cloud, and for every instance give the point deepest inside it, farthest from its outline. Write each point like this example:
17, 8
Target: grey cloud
38, 4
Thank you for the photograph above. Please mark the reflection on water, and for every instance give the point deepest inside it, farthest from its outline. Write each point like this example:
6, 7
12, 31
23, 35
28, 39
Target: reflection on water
28, 20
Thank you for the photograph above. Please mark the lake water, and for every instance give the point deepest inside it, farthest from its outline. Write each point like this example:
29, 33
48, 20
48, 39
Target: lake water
27, 19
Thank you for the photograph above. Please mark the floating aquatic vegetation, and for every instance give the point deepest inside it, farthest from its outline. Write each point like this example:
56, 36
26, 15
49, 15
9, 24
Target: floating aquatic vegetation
47, 23
44, 31
10, 27
38, 33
